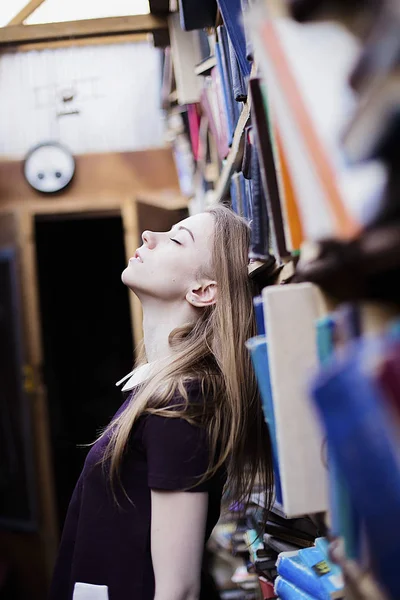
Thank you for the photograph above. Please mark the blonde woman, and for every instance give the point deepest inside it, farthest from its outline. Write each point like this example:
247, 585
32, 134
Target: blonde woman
150, 491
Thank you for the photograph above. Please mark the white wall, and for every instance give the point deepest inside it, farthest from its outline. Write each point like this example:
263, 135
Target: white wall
115, 91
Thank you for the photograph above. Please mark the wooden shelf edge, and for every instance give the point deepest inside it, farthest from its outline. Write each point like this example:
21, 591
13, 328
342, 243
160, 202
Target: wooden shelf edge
232, 158
205, 66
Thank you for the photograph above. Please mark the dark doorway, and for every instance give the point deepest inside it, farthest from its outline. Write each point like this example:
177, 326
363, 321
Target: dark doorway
87, 335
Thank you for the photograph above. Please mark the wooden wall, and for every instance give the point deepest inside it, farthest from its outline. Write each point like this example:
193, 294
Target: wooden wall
98, 176
101, 181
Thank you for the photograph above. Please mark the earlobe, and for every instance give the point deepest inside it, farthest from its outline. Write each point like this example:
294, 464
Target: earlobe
203, 295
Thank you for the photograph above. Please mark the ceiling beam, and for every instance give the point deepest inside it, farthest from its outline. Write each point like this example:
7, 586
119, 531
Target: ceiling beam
125, 38
25, 34
25, 12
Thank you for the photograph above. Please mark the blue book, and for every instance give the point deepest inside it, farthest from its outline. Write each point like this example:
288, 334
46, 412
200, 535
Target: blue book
225, 92
361, 437
260, 225
231, 104
231, 11
234, 199
245, 195
311, 571
259, 314
238, 83
258, 348
329, 576
288, 591
344, 520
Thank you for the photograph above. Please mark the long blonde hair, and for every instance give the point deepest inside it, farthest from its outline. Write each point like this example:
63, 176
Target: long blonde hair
212, 351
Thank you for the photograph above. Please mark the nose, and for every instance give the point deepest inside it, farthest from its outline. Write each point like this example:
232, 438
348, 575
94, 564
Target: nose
149, 238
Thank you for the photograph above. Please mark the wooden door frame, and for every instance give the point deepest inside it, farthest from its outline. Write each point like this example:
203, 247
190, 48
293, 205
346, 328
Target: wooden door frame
25, 213
25, 225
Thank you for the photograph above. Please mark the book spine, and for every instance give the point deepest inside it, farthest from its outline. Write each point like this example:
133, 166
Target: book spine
344, 520
259, 239
228, 110
329, 581
226, 64
268, 170
238, 83
234, 199
258, 348
291, 568
259, 313
194, 128
288, 591
361, 437
231, 11
223, 146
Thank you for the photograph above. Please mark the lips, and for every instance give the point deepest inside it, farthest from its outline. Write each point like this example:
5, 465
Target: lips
137, 256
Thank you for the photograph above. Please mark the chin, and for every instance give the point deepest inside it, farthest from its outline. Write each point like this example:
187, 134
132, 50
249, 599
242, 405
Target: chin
125, 277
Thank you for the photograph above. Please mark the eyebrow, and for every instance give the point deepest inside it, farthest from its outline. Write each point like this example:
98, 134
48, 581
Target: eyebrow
188, 230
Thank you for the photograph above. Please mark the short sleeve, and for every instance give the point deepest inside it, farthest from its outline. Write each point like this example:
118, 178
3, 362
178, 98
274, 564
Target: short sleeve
177, 454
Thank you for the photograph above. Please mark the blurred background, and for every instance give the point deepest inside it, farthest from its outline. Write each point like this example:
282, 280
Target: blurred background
124, 115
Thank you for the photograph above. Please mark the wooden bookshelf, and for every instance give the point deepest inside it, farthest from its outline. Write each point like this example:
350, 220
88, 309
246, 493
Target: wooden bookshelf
235, 155
205, 66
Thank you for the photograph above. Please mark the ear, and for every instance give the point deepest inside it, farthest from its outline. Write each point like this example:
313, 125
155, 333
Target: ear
202, 295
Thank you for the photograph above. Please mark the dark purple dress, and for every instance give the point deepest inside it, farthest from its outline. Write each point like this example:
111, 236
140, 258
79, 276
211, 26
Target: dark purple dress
108, 546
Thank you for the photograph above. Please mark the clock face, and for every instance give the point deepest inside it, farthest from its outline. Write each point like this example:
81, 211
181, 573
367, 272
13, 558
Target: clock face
49, 167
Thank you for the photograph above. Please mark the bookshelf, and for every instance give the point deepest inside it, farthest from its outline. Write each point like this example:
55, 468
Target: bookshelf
205, 66
235, 154
322, 200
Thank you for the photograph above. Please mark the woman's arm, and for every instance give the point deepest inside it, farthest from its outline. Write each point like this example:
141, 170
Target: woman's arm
178, 523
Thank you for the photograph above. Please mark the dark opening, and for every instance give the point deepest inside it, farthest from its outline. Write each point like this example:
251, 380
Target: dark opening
87, 336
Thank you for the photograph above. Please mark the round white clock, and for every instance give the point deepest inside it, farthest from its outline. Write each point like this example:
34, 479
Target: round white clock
49, 167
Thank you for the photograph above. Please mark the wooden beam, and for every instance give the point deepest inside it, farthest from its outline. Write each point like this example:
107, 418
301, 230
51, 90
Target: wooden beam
126, 38
25, 12
19, 34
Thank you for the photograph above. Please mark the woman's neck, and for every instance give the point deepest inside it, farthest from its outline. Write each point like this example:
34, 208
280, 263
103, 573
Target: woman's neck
158, 322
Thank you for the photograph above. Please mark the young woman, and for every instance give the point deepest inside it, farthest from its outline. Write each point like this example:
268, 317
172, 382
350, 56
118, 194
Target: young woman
150, 491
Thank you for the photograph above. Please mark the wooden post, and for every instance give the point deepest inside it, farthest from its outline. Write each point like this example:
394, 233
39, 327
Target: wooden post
34, 352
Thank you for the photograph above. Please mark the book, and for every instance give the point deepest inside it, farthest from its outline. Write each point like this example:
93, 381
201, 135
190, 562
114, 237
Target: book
226, 94
290, 312
289, 201
231, 11
234, 196
194, 128
211, 108
278, 544
258, 348
365, 445
232, 106
167, 79
268, 170
260, 225
197, 16
343, 518
288, 591
238, 82
289, 535
223, 145
389, 379
329, 575
186, 54
311, 571
312, 99
259, 313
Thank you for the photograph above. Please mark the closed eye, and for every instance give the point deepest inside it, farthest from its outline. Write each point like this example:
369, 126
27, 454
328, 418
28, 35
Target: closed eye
176, 241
